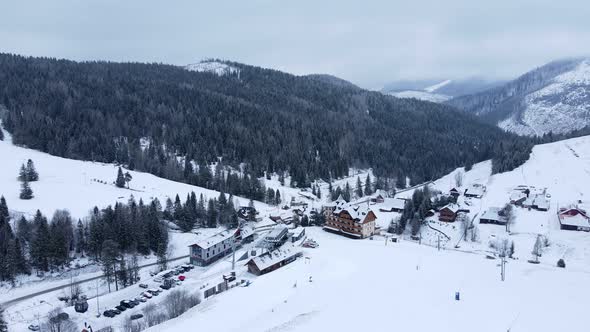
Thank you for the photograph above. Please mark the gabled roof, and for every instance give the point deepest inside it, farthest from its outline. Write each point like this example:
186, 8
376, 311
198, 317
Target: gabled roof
475, 190
452, 207
266, 260
578, 220
493, 213
215, 239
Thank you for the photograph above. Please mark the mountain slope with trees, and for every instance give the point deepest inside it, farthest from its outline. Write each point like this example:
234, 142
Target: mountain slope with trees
257, 120
552, 98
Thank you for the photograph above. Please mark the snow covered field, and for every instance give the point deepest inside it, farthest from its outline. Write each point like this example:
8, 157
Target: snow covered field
365, 285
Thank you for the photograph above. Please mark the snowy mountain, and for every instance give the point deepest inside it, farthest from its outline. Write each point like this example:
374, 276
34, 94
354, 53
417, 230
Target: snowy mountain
553, 98
437, 90
213, 66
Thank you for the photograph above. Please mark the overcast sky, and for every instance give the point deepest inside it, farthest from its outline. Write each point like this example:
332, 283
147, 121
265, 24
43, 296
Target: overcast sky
366, 42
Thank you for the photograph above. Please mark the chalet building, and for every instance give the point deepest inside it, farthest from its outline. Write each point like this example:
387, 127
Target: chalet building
272, 260
455, 193
397, 205
213, 248
493, 216
573, 218
354, 221
475, 191
449, 212
328, 209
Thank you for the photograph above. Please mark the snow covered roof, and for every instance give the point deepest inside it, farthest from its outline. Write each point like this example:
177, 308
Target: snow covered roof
271, 258
398, 203
215, 239
492, 213
452, 207
246, 231
277, 231
297, 231
339, 202
578, 220
541, 202
357, 213
475, 190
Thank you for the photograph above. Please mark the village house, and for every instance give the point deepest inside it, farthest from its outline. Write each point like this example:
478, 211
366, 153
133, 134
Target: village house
273, 260
213, 248
573, 218
354, 221
517, 197
449, 212
475, 191
297, 234
493, 215
396, 205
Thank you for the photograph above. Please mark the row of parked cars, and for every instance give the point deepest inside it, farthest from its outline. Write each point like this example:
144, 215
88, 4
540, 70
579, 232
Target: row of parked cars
128, 304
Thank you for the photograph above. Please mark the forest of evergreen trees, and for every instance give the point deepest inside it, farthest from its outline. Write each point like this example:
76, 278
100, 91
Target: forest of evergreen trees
107, 235
145, 115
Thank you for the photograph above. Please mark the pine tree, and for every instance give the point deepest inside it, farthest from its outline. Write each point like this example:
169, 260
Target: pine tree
23, 230
346, 193
31, 172
4, 209
277, 197
80, 238
169, 210
40, 249
22, 174
26, 192
368, 189
359, 187
120, 182
212, 214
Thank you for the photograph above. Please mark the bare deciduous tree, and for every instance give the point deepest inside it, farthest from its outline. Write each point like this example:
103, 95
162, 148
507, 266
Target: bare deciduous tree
179, 301
57, 322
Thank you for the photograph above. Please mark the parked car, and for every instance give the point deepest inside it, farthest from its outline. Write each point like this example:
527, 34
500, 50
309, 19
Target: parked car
116, 311
136, 316
146, 295
165, 287
34, 327
158, 279
141, 299
181, 277
154, 291
127, 304
143, 285
121, 308
109, 313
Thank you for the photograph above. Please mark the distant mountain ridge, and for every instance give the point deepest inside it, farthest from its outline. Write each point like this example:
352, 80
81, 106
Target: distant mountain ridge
552, 98
437, 90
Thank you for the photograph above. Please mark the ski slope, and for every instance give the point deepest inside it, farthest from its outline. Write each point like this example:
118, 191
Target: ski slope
74, 185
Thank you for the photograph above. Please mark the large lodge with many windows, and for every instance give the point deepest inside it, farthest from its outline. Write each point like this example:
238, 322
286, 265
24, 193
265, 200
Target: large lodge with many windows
351, 220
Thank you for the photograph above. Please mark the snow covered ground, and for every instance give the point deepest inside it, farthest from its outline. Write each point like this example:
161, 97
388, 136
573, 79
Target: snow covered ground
365, 285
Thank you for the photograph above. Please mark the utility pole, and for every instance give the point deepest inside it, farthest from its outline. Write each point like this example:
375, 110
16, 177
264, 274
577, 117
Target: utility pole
502, 266
97, 306
233, 261
438, 242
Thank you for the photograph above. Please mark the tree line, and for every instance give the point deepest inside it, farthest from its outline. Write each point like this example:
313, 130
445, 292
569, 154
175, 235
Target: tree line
174, 123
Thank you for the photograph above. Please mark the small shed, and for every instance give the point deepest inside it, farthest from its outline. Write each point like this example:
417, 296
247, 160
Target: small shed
493, 216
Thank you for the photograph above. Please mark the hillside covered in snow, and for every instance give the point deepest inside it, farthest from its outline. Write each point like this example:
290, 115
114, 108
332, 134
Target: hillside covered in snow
553, 98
